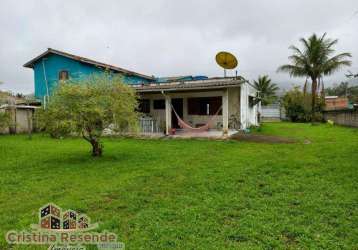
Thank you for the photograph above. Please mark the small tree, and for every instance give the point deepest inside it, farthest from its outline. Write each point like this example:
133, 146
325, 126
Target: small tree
86, 107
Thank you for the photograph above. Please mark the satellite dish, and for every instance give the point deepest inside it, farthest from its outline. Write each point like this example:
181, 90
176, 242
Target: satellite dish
226, 60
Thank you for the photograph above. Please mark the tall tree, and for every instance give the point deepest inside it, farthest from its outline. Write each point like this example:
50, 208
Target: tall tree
267, 89
315, 60
87, 107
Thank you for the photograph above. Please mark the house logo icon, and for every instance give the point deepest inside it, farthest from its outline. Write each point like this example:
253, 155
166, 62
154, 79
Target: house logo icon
53, 218
65, 230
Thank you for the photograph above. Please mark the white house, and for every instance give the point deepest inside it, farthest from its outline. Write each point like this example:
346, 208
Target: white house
221, 104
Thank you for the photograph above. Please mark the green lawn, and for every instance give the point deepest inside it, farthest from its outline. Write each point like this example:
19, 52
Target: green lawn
193, 194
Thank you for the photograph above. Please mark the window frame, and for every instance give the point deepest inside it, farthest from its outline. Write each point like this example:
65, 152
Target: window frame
61, 72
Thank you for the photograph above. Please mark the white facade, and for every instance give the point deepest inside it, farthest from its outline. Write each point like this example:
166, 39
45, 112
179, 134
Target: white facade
238, 109
249, 113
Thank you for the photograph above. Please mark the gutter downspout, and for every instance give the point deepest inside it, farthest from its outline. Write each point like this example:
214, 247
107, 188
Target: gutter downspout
46, 83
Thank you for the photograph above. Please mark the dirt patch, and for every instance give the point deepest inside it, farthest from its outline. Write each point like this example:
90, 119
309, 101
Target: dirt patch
261, 138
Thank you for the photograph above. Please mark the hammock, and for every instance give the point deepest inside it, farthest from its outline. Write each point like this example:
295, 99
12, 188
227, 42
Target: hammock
203, 128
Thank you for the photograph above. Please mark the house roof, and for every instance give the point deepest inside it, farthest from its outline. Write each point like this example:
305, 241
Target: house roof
31, 63
211, 83
7, 106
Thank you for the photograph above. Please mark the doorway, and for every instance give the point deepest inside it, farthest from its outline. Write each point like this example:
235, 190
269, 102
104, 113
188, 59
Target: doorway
178, 106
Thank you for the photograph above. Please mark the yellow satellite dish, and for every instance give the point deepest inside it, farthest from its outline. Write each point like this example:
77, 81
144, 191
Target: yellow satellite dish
226, 60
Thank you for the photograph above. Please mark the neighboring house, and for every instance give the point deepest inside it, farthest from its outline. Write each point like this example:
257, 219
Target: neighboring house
337, 103
225, 104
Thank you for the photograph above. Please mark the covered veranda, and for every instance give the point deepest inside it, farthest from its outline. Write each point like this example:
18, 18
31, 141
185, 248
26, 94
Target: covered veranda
214, 103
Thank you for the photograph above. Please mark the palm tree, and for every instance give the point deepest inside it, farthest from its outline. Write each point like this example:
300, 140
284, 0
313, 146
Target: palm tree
315, 60
266, 88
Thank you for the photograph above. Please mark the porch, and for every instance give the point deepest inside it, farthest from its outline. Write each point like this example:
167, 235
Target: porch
214, 104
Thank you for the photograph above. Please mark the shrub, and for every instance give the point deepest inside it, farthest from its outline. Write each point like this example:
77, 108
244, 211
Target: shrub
298, 106
4, 120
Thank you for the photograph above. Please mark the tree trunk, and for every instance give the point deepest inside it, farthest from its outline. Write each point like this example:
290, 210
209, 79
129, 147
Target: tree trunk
314, 90
96, 147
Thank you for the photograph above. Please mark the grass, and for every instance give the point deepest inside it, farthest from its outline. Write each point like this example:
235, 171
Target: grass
193, 194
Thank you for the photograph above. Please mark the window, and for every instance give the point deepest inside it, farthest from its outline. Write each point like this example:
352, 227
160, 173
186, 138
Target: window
204, 105
63, 75
159, 104
144, 106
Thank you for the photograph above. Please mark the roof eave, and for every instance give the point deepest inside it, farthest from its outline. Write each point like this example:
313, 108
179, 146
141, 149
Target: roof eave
30, 64
168, 88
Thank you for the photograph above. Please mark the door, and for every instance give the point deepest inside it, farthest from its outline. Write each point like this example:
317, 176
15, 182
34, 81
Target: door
178, 106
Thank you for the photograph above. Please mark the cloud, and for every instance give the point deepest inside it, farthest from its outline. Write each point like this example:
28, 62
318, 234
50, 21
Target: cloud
170, 37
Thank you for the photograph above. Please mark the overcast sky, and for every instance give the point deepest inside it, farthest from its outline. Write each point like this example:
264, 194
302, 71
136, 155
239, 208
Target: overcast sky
166, 38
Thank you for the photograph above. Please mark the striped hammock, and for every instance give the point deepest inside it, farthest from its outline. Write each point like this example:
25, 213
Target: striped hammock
183, 125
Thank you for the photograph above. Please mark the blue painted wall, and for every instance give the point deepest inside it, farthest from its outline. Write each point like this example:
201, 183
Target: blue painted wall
55, 63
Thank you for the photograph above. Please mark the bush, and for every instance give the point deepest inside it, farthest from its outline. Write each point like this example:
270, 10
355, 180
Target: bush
4, 120
298, 106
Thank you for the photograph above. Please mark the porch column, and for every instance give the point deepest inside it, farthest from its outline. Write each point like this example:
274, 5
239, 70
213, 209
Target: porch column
185, 109
225, 111
244, 104
168, 114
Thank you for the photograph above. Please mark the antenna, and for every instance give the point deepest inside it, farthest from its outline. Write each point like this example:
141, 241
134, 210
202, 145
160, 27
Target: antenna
226, 60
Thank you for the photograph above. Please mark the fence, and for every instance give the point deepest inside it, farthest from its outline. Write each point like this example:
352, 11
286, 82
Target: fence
272, 112
346, 117
149, 125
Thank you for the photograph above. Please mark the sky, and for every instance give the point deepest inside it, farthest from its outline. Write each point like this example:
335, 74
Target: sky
169, 38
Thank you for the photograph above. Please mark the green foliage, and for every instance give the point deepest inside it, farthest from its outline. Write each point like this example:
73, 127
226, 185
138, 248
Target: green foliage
340, 90
343, 89
267, 89
315, 60
86, 107
298, 106
4, 97
4, 120
193, 194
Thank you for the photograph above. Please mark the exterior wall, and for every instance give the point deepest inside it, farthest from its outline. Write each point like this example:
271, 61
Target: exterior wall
248, 114
53, 64
234, 102
343, 117
234, 119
